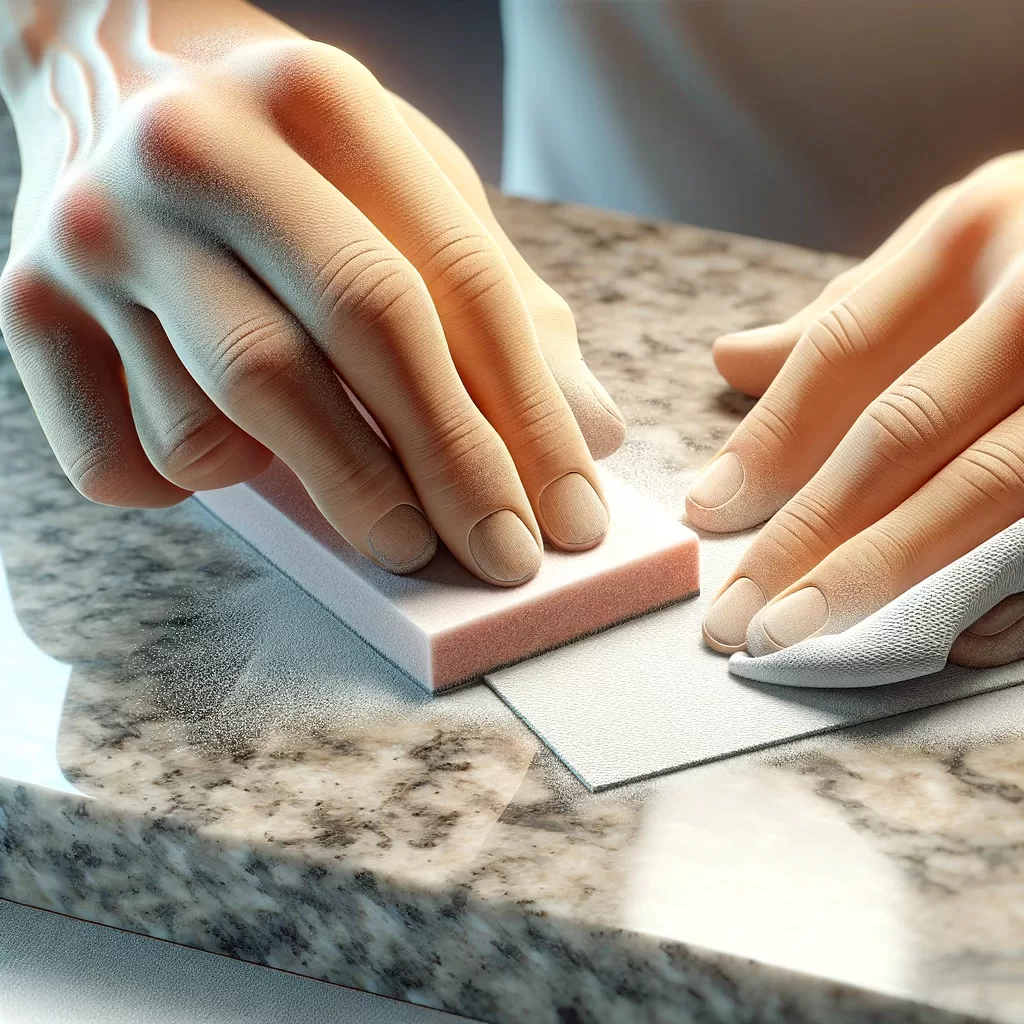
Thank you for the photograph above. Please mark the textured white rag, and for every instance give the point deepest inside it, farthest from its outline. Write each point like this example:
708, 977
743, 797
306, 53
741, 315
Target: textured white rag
910, 636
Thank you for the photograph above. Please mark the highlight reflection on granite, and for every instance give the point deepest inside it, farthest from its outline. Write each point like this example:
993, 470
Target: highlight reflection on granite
254, 781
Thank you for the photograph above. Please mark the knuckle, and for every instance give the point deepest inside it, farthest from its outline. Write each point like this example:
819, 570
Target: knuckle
253, 359
772, 432
803, 529
996, 471
82, 225
461, 268
460, 445
357, 478
552, 315
538, 421
904, 425
970, 215
306, 74
167, 137
838, 336
26, 296
843, 282
192, 448
875, 556
996, 168
96, 475
369, 287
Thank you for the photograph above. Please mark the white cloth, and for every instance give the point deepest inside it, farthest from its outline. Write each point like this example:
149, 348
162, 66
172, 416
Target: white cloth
909, 637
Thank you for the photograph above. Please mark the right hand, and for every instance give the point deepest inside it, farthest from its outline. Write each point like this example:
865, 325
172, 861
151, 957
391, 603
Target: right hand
214, 233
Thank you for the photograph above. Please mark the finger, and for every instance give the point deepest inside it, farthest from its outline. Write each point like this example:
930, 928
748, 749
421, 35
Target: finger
365, 307
603, 426
391, 179
264, 372
187, 438
937, 409
373, 319
750, 360
73, 377
997, 638
843, 361
974, 497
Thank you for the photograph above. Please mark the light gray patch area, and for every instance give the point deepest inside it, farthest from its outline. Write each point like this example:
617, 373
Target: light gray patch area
648, 697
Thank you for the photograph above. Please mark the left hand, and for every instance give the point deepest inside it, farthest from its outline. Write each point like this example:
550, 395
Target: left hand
891, 440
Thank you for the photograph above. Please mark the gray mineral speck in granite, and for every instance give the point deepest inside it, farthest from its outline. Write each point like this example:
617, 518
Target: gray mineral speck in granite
214, 760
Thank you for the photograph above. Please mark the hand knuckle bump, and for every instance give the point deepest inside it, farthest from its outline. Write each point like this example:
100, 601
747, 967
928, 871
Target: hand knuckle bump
251, 359
169, 139
843, 282
838, 336
552, 313
356, 479
538, 420
904, 425
375, 289
96, 475
192, 447
874, 554
460, 445
461, 268
796, 535
806, 516
996, 470
82, 225
769, 430
311, 76
26, 296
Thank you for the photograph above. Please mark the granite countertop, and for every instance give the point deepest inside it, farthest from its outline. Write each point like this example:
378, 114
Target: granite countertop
191, 748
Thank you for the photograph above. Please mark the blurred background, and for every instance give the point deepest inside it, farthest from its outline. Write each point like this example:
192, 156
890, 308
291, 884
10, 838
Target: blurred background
812, 121
445, 57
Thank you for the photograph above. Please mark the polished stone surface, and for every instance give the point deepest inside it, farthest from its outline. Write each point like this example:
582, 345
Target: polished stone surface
191, 748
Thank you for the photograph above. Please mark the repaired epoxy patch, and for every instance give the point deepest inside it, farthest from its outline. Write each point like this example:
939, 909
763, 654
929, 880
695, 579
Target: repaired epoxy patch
648, 696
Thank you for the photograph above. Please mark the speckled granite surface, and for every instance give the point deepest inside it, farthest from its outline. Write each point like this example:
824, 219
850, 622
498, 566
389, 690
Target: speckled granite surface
191, 748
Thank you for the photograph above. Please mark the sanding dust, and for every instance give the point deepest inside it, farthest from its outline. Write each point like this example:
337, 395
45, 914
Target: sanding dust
234, 665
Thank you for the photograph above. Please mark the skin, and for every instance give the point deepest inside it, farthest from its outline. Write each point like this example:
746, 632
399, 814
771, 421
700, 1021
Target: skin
229, 237
889, 438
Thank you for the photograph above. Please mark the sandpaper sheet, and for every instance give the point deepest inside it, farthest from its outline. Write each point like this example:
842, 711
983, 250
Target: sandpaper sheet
647, 697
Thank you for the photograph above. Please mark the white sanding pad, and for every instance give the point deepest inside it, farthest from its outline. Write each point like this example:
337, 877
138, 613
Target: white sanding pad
442, 625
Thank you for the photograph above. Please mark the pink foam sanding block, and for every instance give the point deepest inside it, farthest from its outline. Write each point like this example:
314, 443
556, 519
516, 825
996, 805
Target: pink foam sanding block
443, 626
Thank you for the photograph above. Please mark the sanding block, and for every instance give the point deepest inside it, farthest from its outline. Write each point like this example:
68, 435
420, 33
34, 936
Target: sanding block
442, 625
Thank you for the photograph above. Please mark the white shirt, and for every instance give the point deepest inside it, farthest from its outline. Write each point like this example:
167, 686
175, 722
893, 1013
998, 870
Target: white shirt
822, 122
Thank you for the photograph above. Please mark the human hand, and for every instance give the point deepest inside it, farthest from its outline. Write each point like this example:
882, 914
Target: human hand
891, 440
219, 222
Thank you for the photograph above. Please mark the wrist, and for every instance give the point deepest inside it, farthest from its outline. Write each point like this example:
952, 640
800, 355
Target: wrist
30, 31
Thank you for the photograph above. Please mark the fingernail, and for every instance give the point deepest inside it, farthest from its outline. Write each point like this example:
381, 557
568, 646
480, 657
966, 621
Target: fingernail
573, 513
602, 395
718, 482
755, 334
504, 548
795, 618
402, 540
725, 624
